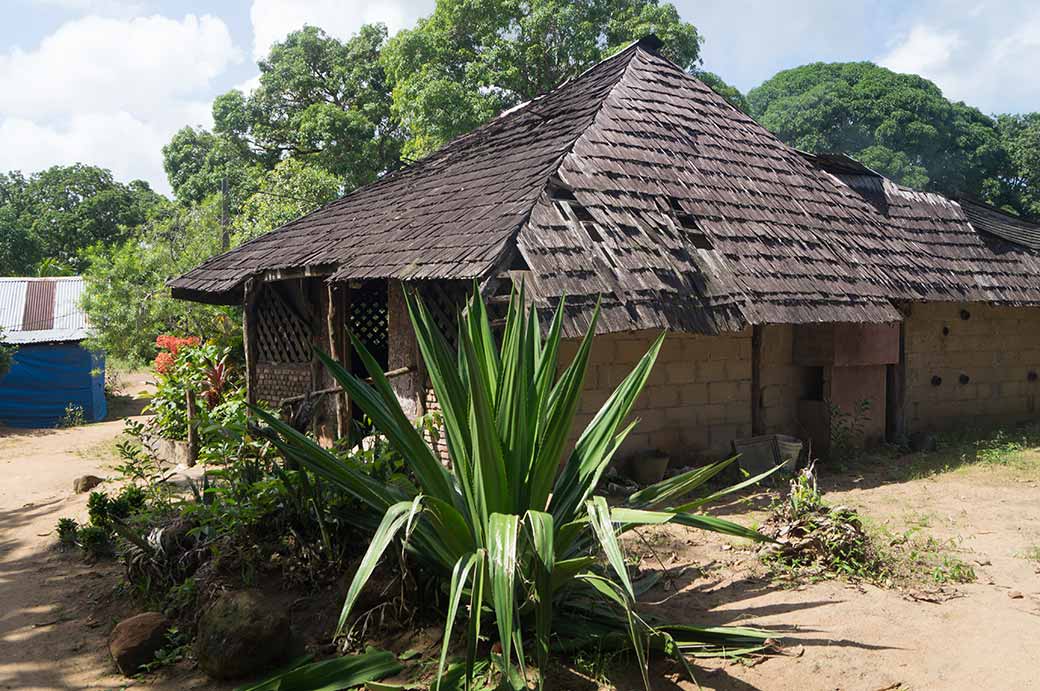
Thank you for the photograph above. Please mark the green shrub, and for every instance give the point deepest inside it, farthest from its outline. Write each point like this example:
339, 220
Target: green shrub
507, 528
67, 529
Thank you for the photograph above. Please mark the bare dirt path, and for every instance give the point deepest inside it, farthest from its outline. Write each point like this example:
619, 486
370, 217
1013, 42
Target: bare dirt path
51, 636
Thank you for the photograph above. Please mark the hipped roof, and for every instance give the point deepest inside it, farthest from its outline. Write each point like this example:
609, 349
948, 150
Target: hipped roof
638, 184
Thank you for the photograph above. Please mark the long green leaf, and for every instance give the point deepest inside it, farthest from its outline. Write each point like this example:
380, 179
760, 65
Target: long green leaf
598, 442
629, 518
541, 527
502, 539
394, 519
331, 675
459, 576
599, 519
677, 486
697, 503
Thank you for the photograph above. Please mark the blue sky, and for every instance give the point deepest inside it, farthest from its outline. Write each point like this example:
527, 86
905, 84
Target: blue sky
108, 81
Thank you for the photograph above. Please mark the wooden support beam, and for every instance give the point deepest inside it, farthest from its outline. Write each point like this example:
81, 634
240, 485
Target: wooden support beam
250, 293
338, 350
758, 425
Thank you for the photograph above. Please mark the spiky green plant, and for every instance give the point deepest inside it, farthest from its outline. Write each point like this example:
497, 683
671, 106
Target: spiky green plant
514, 533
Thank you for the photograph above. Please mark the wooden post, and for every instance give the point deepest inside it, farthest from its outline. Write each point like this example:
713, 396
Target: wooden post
338, 351
193, 427
895, 393
758, 425
249, 337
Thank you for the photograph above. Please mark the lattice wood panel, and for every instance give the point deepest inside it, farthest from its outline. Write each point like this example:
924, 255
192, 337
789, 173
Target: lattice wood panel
368, 318
281, 335
444, 300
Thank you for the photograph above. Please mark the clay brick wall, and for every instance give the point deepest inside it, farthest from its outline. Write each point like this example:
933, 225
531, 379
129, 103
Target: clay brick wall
696, 401
987, 363
277, 381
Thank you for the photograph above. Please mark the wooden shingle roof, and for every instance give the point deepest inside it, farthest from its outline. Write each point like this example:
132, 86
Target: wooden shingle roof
637, 183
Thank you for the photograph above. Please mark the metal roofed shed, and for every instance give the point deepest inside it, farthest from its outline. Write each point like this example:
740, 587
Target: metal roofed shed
51, 370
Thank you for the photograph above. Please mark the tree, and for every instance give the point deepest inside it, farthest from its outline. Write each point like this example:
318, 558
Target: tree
199, 163
1020, 135
319, 100
284, 194
899, 124
727, 91
470, 59
126, 296
54, 214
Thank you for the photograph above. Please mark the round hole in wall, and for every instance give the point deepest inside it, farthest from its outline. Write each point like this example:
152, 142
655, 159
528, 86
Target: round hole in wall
965, 315
946, 331
964, 379
1031, 376
936, 381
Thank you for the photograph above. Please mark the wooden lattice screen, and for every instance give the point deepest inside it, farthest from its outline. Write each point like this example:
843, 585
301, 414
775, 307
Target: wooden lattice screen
368, 318
281, 335
444, 300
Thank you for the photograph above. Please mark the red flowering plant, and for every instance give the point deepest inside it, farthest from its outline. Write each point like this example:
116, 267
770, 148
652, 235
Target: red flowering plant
187, 364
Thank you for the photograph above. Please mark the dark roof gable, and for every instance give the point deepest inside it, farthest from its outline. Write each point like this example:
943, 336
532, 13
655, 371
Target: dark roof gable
638, 184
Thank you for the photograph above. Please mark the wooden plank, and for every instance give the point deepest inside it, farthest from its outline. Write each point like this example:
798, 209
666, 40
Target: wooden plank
757, 421
249, 338
337, 298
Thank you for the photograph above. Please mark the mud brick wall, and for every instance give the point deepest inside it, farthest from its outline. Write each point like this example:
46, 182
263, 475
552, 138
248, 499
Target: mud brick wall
695, 403
984, 362
782, 382
277, 381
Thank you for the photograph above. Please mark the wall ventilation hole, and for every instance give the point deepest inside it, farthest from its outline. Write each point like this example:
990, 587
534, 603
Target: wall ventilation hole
965, 315
946, 331
964, 379
1031, 376
936, 381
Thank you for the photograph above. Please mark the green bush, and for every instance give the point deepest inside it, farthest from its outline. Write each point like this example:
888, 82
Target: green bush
506, 527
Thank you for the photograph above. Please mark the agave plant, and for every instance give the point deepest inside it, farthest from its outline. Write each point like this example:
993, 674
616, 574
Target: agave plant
512, 525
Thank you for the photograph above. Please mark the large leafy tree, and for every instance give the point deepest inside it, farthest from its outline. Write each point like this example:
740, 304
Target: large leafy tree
199, 163
899, 124
470, 59
127, 299
53, 215
1021, 138
284, 194
319, 100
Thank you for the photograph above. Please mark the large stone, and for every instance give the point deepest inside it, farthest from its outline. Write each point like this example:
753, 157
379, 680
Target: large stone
242, 633
86, 483
134, 641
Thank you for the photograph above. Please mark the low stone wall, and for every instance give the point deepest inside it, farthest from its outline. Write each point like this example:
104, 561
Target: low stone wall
971, 363
170, 451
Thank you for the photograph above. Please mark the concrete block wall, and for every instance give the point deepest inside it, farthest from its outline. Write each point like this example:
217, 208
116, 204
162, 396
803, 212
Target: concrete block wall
782, 382
696, 401
987, 364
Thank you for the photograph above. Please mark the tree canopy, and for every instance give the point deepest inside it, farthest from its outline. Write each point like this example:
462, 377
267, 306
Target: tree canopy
899, 124
470, 59
55, 214
320, 100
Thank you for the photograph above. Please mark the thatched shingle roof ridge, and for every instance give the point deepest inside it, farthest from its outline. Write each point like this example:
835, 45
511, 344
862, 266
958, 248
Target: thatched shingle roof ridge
451, 215
637, 184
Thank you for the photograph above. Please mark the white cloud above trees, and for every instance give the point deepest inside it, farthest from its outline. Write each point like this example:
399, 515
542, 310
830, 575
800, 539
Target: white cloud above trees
109, 91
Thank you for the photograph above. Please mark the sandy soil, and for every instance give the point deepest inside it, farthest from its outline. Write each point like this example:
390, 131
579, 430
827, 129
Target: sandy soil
56, 611
843, 636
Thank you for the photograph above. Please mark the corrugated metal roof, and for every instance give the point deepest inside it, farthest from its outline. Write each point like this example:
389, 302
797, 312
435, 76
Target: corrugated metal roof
42, 310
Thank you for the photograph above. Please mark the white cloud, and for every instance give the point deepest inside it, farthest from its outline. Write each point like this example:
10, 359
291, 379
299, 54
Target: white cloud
988, 61
274, 19
119, 8
110, 92
924, 49
95, 63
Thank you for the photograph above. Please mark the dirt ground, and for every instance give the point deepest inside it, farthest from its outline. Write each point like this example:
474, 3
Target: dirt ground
56, 611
